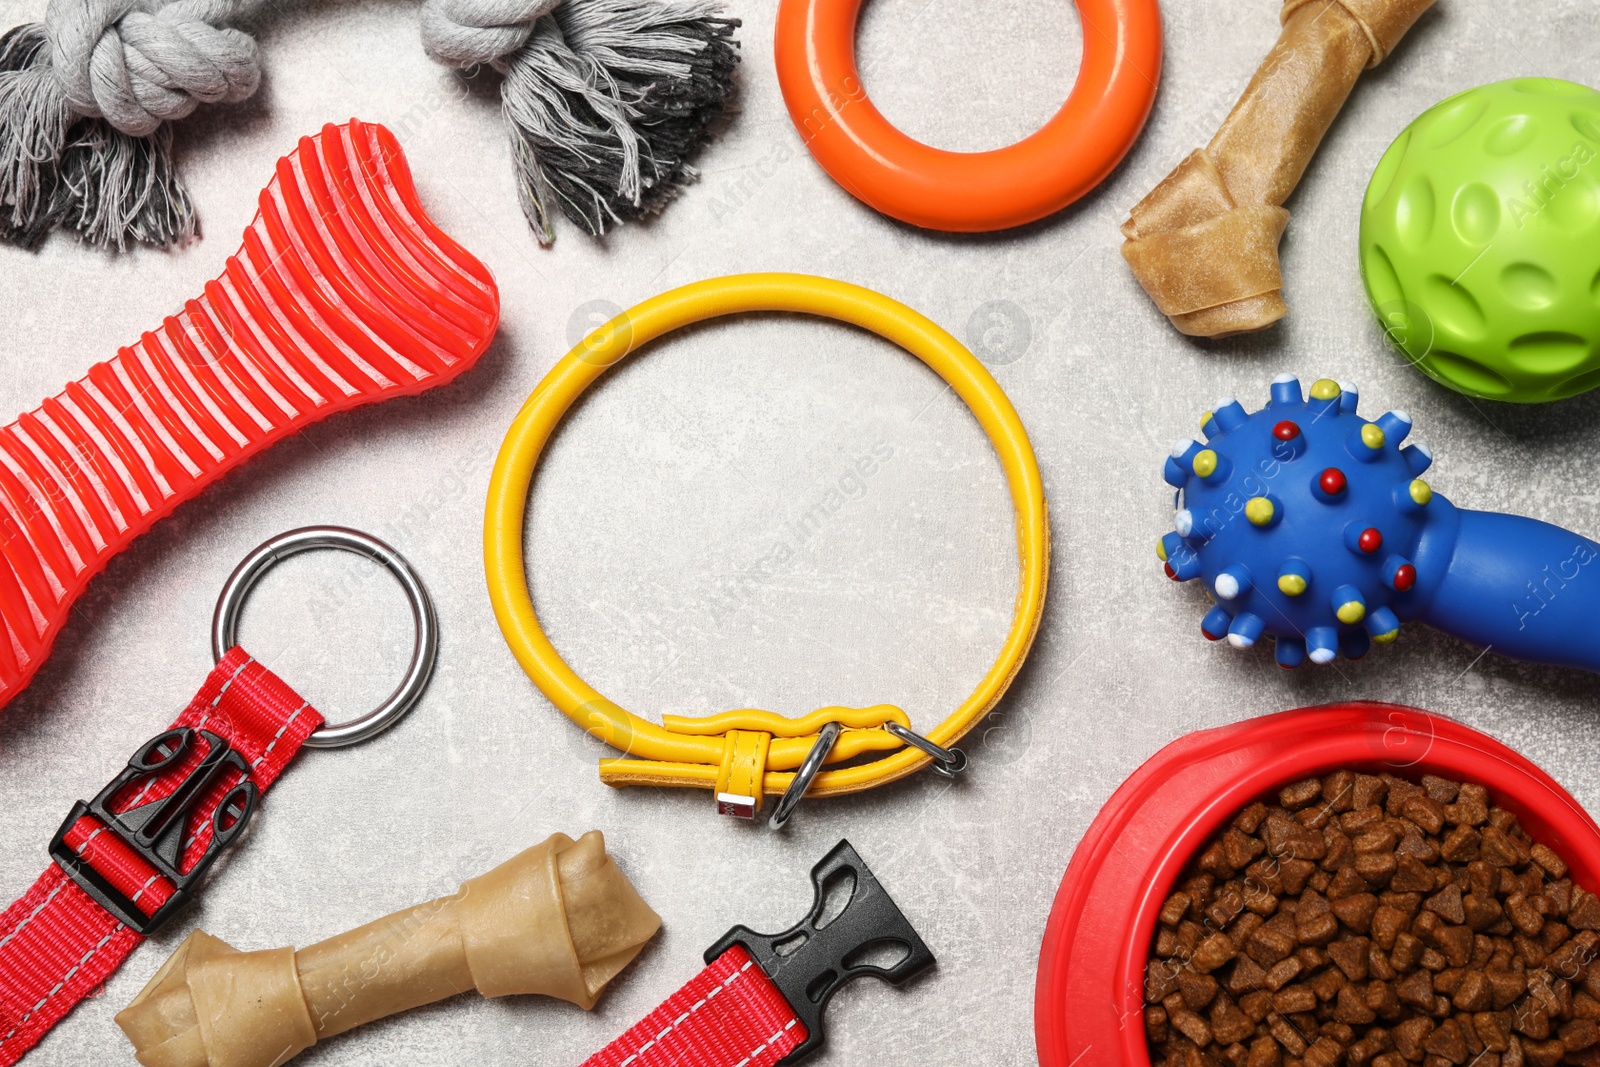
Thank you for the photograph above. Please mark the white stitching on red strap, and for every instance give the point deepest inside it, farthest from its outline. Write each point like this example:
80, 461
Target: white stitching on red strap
697, 1005
279, 735
207, 716
76, 967
769, 1042
31, 915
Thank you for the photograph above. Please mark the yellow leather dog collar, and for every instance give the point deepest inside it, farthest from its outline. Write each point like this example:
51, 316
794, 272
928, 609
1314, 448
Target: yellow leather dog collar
745, 754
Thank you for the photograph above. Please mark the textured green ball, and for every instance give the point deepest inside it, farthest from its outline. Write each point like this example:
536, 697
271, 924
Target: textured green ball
1480, 240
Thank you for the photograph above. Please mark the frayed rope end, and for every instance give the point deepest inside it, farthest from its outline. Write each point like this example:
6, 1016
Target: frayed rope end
57, 170
608, 101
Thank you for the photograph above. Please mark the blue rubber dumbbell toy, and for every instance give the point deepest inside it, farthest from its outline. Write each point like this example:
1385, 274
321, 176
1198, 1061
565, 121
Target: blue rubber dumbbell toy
1312, 525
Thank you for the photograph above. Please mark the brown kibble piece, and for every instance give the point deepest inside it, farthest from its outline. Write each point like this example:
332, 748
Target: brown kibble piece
1267, 946
1264, 1052
1411, 876
1241, 850
1246, 976
1377, 868
1585, 911
1257, 1005
1173, 911
1324, 1052
1409, 1036
1285, 1034
1524, 915
1296, 796
1546, 857
1356, 911
1379, 838
1155, 1025
1443, 790
1446, 904
1471, 807
1580, 1034
1229, 1025
1339, 790
1160, 981
1346, 882
1481, 910
1369, 790
1352, 1008
1455, 942
1461, 845
1351, 957
1448, 1041
1282, 973
1212, 953
1197, 990
1192, 1026
1425, 812
1416, 989
1498, 848
1473, 993
1249, 820
1506, 986
1407, 952
1493, 1029
1544, 1053
1314, 920
1387, 924
1294, 998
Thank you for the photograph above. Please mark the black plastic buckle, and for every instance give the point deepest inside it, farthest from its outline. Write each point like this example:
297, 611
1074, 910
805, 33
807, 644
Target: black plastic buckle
812, 960
159, 830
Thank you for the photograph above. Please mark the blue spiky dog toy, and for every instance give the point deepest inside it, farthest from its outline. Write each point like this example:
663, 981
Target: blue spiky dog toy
1310, 524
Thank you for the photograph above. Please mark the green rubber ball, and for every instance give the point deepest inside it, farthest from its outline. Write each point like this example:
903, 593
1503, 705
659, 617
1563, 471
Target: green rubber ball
1480, 240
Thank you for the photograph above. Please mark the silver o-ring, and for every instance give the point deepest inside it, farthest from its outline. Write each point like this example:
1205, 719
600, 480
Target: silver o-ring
425, 649
802, 777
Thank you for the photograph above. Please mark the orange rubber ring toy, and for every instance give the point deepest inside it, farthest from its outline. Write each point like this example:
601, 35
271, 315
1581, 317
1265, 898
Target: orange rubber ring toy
969, 192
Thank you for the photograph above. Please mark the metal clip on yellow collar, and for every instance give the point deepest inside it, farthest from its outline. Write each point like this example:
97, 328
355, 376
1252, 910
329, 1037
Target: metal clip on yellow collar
748, 754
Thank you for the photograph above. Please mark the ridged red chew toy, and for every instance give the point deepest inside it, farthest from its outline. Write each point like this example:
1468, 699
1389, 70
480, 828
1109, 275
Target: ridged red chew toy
344, 293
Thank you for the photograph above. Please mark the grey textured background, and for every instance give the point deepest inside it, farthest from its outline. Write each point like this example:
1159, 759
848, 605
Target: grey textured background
685, 470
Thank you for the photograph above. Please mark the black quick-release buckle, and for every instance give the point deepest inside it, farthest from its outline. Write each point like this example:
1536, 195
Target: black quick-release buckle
158, 831
812, 960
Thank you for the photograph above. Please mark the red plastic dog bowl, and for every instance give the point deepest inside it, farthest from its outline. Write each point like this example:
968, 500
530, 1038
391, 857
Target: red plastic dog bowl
1088, 1007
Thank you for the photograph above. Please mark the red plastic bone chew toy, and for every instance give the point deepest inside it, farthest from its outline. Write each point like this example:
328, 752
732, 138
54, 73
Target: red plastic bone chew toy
344, 293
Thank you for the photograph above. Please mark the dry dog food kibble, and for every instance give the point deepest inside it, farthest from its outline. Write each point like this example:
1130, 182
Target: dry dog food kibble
1369, 921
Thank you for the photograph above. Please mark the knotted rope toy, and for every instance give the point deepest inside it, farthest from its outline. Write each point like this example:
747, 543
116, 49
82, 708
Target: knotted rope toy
605, 100
1311, 524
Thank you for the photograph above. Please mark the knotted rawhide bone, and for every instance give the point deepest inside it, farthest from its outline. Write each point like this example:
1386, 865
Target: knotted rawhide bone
560, 919
605, 99
344, 293
1204, 243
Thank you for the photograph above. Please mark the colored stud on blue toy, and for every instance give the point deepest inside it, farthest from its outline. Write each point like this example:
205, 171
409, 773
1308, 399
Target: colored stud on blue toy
1311, 525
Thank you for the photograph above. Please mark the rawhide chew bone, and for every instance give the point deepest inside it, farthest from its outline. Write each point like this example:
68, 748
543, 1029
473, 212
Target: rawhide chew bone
1204, 243
344, 293
559, 919
1311, 524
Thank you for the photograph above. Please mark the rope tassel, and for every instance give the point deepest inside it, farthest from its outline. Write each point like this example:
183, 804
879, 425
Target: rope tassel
606, 101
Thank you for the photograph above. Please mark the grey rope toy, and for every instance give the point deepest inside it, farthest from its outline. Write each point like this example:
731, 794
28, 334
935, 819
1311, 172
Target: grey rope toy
606, 100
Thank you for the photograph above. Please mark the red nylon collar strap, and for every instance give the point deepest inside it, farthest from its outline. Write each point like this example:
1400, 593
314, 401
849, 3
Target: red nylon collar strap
57, 944
760, 999
728, 1015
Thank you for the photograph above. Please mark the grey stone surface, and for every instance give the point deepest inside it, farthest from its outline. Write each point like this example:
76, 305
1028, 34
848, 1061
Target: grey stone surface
688, 467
